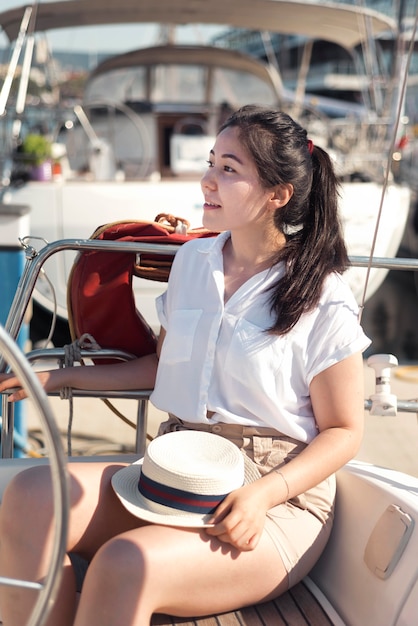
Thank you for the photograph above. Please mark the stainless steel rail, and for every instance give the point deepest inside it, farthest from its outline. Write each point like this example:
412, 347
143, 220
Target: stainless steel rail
403, 406
140, 395
36, 259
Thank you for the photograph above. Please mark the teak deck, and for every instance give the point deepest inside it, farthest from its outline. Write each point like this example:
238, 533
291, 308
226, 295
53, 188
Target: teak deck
297, 607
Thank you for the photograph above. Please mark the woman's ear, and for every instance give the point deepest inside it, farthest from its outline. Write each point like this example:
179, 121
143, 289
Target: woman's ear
282, 195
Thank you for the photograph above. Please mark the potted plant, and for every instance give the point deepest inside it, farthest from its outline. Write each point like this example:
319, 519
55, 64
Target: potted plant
36, 151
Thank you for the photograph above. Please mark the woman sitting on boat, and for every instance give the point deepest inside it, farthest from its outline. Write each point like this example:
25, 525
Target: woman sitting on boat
260, 344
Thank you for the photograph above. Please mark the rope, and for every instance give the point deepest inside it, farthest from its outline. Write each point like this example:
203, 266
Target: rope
72, 354
118, 413
122, 417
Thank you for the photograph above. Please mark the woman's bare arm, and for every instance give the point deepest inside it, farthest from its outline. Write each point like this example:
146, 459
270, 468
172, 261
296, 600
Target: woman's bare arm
337, 396
136, 374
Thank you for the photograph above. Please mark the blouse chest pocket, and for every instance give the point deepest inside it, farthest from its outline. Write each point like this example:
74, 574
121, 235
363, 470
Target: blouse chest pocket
254, 354
180, 337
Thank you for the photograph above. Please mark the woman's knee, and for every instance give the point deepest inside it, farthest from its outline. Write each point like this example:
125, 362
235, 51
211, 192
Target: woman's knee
120, 558
116, 584
27, 500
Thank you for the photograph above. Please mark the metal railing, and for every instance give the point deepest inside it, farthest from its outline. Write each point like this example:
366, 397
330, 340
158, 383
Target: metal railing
34, 262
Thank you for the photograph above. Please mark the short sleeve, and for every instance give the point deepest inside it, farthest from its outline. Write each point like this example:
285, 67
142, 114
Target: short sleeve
336, 332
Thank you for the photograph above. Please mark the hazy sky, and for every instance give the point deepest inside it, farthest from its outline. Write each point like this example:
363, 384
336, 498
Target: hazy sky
108, 38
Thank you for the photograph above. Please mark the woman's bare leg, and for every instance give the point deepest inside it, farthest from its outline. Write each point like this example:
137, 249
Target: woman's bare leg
26, 517
157, 569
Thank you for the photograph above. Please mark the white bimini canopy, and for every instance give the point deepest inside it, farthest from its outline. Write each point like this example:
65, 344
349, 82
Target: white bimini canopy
344, 24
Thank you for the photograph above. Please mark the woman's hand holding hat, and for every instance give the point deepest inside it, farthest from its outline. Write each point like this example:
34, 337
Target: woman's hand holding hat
239, 519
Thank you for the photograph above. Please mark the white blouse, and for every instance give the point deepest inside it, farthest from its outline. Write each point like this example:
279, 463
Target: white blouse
217, 357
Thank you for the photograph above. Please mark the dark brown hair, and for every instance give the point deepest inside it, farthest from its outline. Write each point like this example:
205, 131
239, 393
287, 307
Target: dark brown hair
314, 245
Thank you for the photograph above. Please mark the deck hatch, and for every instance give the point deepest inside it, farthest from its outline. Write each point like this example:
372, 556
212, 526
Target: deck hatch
388, 541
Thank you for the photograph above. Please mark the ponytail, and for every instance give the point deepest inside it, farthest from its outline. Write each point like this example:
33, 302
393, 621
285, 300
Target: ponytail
316, 249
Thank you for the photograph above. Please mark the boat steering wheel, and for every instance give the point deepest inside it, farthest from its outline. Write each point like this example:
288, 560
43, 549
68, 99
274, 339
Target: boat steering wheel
103, 128
47, 590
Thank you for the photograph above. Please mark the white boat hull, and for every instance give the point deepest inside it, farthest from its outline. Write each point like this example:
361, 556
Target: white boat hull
366, 497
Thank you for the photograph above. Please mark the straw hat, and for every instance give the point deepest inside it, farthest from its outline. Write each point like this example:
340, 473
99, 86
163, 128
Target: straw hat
182, 478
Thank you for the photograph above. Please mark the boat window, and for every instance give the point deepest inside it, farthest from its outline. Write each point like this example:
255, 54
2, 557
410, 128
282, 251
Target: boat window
174, 83
240, 88
126, 84
178, 83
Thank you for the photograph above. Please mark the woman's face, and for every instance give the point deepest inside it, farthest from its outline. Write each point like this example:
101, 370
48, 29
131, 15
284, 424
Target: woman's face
234, 196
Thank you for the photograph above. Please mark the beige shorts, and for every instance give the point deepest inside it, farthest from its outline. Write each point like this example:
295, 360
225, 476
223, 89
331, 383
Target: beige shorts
299, 528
